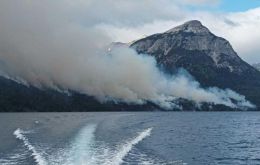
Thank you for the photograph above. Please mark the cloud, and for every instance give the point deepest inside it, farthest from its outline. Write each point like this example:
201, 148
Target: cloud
201, 2
61, 44
125, 12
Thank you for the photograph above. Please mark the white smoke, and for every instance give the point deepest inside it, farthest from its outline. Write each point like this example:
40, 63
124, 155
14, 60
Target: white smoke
47, 43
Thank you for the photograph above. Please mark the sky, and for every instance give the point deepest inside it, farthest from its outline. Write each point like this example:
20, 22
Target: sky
227, 5
238, 5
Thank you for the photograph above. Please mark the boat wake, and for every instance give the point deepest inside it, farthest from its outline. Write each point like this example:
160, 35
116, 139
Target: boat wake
20, 134
124, 149
85, 150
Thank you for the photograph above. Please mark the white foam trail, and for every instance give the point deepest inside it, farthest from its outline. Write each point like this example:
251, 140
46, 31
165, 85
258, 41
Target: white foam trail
86, 151
19, 134
82, 148
127, 147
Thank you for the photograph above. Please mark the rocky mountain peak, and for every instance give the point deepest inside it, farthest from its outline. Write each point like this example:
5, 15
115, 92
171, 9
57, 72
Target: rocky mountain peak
191, 40
193, 26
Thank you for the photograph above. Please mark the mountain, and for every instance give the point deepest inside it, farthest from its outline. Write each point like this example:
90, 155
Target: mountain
209, 58
257, 66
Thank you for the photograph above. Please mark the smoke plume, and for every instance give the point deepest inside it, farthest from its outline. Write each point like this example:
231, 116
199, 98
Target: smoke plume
57, 44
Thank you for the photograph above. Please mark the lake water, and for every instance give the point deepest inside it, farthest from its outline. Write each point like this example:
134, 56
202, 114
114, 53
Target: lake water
130, 138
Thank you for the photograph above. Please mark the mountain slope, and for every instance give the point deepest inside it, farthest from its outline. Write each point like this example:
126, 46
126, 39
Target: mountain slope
210, 59
16, 97
257, 66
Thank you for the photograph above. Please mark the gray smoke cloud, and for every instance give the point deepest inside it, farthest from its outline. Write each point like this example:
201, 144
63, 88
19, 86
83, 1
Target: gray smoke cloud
56, 44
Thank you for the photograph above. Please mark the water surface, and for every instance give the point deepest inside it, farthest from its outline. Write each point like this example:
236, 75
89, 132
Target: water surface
103, 138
